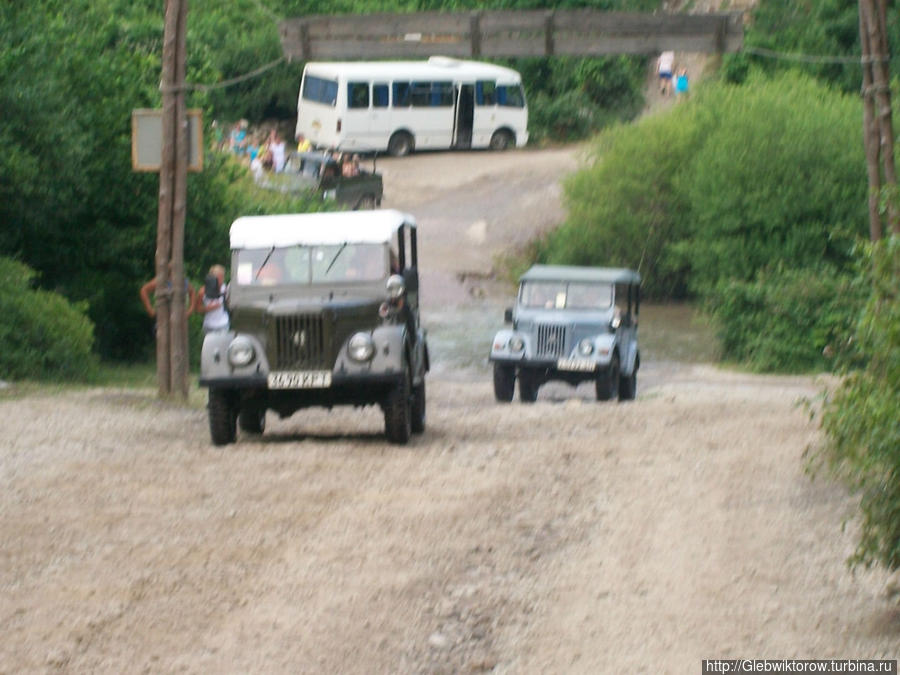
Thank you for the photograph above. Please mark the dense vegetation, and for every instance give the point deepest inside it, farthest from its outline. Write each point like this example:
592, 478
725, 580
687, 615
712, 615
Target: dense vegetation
861, 418
733, 198
43, 336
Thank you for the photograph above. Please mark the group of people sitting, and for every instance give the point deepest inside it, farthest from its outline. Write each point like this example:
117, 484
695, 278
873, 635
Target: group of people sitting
261, 152
342, 164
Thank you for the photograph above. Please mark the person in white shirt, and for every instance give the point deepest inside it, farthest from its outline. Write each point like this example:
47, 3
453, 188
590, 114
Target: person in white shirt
211, 301
664, 66
276, 146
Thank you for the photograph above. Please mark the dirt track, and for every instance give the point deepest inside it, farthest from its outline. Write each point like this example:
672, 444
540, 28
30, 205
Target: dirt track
563, 537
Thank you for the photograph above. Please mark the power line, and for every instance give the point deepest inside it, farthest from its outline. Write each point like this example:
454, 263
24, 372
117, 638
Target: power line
253, 73
806, 58
235, 80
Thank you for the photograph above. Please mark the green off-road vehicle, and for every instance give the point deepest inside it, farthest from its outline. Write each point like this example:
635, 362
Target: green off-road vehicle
324, 311
319, 174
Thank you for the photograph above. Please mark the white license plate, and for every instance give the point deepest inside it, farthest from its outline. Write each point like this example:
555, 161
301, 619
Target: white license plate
300, 379
580, 365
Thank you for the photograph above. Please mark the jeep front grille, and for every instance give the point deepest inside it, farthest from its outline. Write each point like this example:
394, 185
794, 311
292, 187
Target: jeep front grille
299, 342
551, 341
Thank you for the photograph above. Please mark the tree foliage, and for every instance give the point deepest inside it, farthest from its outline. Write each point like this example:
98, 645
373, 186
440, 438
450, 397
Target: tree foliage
817, 37
72, 208
778, 179
737, 198
624, 209
860, 418
42, 335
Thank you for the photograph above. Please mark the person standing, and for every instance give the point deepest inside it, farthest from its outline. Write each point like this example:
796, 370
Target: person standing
303, 144
210, 301
149, 289
664, 66
277, 148
681, 82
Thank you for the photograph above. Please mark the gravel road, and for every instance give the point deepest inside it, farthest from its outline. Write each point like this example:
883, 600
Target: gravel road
566, 536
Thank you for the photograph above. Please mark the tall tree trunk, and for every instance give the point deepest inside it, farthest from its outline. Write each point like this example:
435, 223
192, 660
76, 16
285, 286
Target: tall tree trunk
179, 367
171, 329
870, 131
873, 15
164, 281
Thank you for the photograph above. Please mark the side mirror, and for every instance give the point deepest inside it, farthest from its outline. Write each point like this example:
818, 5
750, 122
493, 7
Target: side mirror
508, 315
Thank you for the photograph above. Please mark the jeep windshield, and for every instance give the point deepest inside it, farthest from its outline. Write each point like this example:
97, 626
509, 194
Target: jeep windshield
304, 265
565, 295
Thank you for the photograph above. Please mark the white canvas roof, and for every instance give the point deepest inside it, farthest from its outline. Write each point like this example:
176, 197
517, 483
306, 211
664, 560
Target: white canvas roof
437, 68
358, 227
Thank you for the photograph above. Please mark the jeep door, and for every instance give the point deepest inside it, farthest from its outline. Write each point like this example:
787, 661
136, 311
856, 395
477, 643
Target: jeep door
627, 301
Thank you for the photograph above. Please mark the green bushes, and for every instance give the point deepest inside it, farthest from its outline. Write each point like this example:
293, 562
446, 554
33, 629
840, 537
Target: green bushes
42, 336
749, 198
570, 98
624, 210
785, 320
777, 179
861, 418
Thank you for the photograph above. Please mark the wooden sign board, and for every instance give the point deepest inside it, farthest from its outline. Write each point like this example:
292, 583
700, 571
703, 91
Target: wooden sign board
146, 139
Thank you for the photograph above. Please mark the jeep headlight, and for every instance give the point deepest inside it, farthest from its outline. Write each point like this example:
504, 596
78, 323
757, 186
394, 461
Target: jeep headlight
361, 347
241, 352
516, 344
586, 347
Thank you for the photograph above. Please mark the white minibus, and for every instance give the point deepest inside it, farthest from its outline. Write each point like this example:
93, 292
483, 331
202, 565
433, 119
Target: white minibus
402, 106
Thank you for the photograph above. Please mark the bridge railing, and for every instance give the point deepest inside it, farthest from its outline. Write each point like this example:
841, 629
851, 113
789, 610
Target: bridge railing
507, 33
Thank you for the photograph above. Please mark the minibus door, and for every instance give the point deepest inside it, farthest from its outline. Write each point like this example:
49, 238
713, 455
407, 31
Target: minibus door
465, 114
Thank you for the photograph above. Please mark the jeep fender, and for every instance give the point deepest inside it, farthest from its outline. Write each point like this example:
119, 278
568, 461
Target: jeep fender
605, 344
214, 357
388, 358
500, 346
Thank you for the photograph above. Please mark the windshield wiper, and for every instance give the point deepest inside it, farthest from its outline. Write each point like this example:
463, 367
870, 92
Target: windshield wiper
334, 259
269, 255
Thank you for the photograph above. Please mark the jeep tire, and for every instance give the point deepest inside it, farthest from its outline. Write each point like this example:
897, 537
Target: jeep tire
398, 412
528, 386
252, 420
608, 380
417, 423
222, 416
628, 386
504, 382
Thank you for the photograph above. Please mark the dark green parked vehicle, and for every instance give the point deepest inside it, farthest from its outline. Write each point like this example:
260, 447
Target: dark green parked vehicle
319, 173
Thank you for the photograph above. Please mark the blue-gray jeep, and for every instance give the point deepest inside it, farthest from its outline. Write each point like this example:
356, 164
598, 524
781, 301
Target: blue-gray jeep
573, 324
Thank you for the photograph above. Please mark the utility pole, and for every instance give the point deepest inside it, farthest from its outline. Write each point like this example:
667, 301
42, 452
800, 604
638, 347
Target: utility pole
878, 134
171, 323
